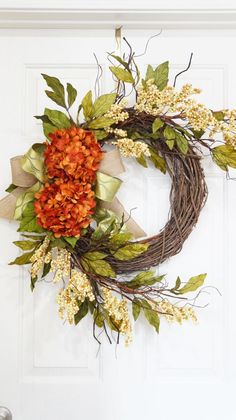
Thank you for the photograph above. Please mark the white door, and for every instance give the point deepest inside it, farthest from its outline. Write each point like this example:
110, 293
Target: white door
52, 371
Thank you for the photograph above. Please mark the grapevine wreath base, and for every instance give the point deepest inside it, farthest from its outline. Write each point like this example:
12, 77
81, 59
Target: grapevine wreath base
63, 195
187, 197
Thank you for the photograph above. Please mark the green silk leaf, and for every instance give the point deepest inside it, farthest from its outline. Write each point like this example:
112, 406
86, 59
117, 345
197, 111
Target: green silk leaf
193, 284
71, 94
58, 118
224, 156
29, 221
130, 251
122, 74
23, 259
103, 104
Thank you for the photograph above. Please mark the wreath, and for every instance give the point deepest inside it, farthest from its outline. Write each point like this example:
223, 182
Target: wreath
63, 195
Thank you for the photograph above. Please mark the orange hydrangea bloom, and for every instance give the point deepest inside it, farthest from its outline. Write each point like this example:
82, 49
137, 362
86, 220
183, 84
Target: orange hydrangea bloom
65, 207
73, 153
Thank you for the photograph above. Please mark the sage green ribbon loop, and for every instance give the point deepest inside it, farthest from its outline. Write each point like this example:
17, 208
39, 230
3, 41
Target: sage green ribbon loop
106, 187
25, 198
33, 162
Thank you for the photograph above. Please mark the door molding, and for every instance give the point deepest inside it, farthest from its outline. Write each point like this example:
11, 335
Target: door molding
76, 14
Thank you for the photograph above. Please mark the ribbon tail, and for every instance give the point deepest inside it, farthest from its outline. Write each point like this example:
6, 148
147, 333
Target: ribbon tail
112, 163
119, 210
8, 203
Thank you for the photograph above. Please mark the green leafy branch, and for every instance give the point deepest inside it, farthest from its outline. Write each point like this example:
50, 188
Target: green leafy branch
57, 93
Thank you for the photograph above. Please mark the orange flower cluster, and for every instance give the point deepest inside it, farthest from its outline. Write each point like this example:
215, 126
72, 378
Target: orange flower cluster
65, 205
73, 154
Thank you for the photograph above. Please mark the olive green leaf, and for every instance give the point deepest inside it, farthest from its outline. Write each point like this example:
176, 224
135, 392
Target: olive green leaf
177, 284
11, 188
111, 321
33, 281
87, 105
157, 123
91, 307
24, 199
142, 161
103, 104
150, 73
29, 221
46, 269
34, 237
101, 122
71, 94
26, 245
78, 113
98, 318
170, 144
136, 309
58, 118
218, 115
142, 278
197, 133
23, 259
33, 162
151, 315
71, 240
182, 143
153, 318
193, 284
169, 133
55, 98
100, 267
224, 156
144, 83
145, 278
94, 255
121, 238
54, 84
48, 129
135, 135
119, 59
130, 251
155, 136
82, 312
158, 161
58, 92
100, 134
161, 75
121, 74
43, 118
57, 242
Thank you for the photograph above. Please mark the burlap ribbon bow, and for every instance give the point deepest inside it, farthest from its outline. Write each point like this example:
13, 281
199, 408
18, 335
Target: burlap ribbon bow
106, 188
